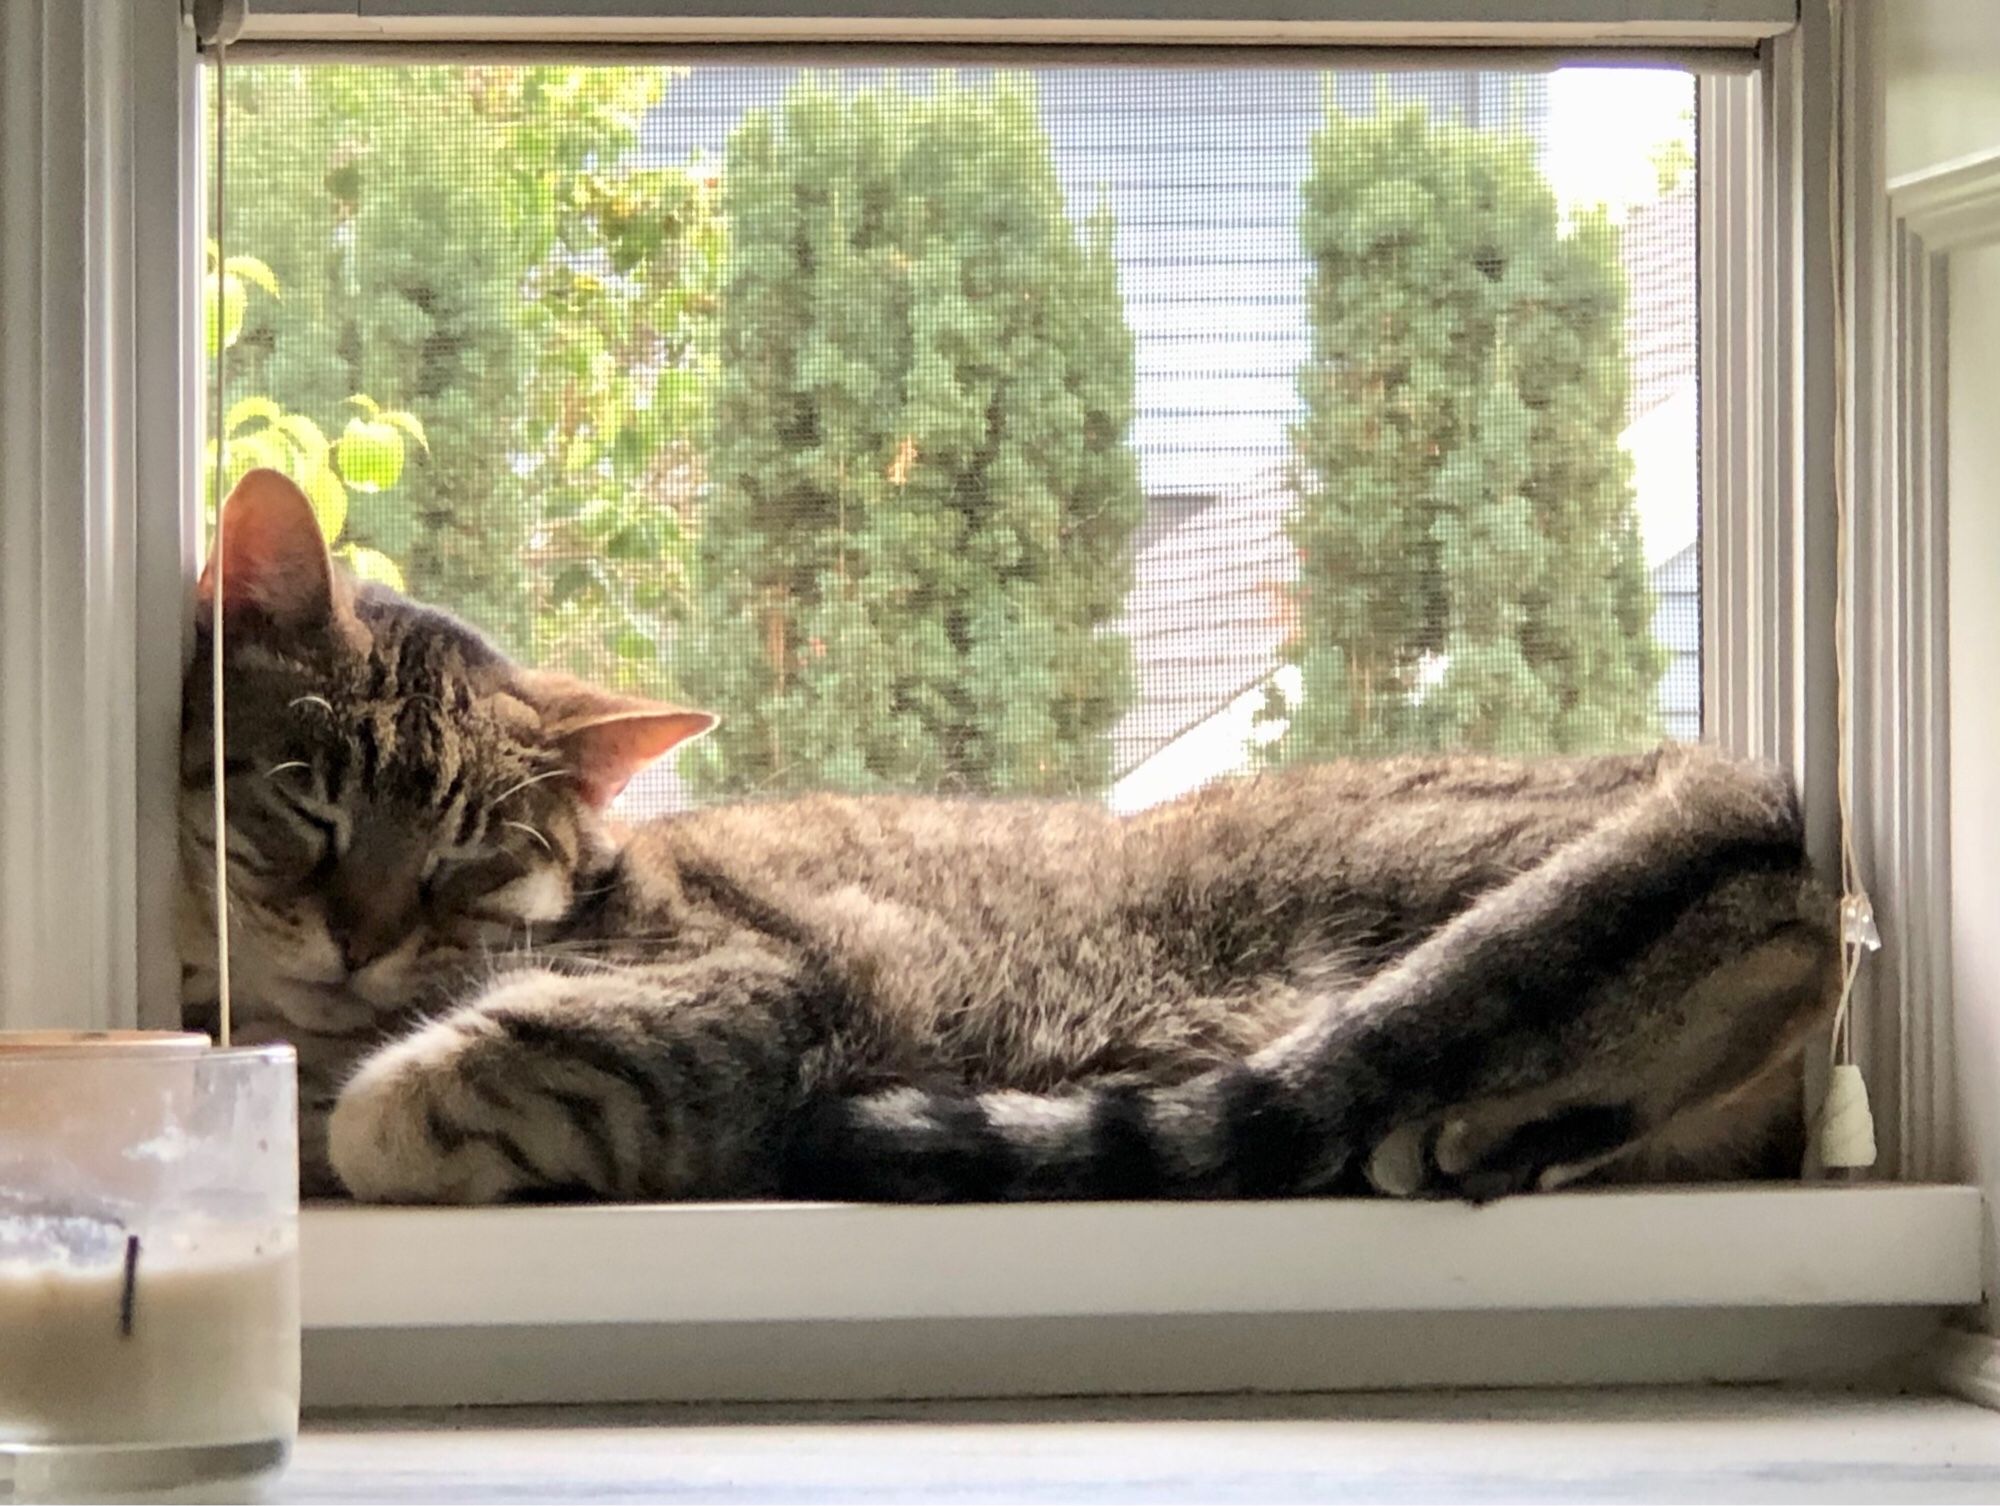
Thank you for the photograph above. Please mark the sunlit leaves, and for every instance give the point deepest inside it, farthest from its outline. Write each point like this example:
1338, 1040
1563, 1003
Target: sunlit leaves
371, 455
251, 270
622, 320
238, 273
329, 501
258, 432
373, 565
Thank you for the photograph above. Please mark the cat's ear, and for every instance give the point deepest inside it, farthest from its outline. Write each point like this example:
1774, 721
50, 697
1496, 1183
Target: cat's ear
607, 737
274, 559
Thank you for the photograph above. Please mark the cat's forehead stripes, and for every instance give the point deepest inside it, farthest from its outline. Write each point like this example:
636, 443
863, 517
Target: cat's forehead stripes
418, 652
419, 714
407, 751
430, 720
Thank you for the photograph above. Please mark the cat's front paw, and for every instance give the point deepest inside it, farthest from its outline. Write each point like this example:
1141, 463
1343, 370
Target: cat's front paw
449, 1115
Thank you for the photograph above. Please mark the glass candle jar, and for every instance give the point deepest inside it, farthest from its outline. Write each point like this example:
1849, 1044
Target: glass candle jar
149, 1297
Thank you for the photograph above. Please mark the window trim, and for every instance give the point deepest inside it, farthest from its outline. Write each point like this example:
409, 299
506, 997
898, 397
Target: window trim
1742, 24
1237, 1354
94, 407
98, 351
1768, 555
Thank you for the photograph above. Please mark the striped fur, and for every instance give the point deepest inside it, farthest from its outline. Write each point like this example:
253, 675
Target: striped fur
1458, 977
1639, 990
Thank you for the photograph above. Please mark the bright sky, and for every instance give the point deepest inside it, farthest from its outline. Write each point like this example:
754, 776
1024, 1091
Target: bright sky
1604, 125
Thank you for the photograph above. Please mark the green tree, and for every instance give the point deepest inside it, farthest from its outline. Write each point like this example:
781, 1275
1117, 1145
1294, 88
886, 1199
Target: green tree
1470, 567
482, 247
921, 500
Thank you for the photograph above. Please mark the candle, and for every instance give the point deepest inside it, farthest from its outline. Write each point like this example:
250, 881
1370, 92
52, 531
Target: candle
186, 1337
149, 1308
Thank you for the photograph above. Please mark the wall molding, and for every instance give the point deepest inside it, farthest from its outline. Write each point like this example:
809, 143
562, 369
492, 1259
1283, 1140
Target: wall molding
1904, 661
1927, 217
1896, 239
1953, 206
1898, 644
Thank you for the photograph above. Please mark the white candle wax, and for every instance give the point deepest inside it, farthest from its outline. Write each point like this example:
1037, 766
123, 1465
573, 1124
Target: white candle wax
149, 1293
200, 1346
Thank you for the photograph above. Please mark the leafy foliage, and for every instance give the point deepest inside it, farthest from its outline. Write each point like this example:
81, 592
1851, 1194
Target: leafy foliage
368, 456
486, 248
1470, 567
921, 499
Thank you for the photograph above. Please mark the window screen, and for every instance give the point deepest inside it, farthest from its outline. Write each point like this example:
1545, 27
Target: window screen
1071, 430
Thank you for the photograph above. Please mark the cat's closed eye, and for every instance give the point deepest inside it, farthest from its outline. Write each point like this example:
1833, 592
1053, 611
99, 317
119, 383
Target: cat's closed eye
281, 833
498, 888
456, 883
324, 820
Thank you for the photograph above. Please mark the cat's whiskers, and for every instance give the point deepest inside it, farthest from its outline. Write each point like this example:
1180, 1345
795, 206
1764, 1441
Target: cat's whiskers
522, 826
581, 946
532, 779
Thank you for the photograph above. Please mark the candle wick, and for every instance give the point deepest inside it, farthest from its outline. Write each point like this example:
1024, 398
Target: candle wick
128, 1296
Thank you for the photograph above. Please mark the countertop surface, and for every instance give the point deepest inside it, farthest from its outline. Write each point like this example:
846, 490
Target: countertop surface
1733, 1444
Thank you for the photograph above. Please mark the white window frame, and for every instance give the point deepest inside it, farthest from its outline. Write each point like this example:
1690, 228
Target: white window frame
98, 442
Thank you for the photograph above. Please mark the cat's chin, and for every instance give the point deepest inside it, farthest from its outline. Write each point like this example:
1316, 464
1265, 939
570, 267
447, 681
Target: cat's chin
300, 1006
343, 994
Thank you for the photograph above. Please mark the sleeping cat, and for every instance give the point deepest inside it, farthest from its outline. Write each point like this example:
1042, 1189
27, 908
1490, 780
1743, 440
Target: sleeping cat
1447, 977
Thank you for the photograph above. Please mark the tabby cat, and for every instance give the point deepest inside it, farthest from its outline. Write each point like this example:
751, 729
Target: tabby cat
1441, 977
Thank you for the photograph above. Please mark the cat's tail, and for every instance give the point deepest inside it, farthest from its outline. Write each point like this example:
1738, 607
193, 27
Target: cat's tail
1235, 1132
1670, 963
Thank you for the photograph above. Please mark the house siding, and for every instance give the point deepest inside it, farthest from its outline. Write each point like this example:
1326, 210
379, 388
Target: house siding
1201, 170
1677, 626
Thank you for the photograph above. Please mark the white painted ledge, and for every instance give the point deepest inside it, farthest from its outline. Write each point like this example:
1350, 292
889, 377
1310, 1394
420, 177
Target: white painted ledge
1967, 1365
1757, 1247
1467, 23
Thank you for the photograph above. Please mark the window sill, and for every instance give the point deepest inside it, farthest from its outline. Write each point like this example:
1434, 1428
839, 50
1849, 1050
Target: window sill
773, 1263
788, 1301
776, 1262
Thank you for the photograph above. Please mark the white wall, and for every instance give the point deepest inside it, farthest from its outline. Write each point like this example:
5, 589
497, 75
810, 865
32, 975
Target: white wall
1941, 100
1941, 63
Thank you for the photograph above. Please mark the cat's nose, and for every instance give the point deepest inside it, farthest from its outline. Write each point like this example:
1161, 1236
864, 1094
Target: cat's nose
370, 910
359, 948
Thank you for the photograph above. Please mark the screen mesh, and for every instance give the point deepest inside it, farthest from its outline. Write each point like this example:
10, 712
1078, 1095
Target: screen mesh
1079, 430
